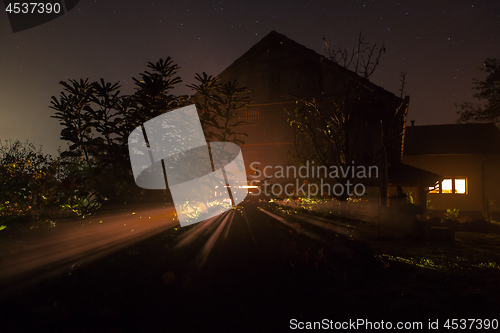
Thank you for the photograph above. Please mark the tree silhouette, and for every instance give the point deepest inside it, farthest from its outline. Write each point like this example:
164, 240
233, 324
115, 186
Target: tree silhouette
331, 126
218, 105
488, 95
153, 95
97, 121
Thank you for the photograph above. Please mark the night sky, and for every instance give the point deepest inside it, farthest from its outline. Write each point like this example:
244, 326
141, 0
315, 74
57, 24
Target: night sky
439, 44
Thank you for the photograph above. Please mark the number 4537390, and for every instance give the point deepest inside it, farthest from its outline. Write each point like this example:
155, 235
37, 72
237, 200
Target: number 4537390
455, 324
33, 8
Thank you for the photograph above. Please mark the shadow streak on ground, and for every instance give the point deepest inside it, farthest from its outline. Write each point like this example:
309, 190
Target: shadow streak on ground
258, 275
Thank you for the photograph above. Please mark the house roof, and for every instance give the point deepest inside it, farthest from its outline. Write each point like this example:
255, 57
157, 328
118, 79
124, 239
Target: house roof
452, 139
407, 175
277, 65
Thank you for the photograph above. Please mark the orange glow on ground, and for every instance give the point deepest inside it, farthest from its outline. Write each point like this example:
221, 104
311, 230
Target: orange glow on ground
78, 242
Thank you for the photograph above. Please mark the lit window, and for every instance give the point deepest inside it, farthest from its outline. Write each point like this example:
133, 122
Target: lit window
461, 186
450, 185
434, 189
447, 186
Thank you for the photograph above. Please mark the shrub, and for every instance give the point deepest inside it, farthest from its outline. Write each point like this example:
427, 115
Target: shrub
452, 214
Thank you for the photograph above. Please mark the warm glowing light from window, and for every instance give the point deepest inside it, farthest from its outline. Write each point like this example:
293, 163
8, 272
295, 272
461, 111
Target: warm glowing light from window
451, 185
434, 189
446, 185
460, 186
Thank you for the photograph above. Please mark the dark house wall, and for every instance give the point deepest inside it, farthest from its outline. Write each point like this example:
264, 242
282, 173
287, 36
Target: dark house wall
277, 70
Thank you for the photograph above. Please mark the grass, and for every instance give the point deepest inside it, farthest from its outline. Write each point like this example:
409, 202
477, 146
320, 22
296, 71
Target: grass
469, 251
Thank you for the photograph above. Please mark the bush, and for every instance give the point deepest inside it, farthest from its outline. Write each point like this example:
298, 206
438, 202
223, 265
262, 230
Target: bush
30, 183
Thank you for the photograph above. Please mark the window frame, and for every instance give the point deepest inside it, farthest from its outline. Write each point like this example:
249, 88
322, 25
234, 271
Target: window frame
439, 186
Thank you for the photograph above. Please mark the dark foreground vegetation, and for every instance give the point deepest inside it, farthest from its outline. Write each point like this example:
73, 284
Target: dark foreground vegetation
261, 274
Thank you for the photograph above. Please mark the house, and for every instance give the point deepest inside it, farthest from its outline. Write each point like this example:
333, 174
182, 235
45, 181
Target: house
468, 158
278, 70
